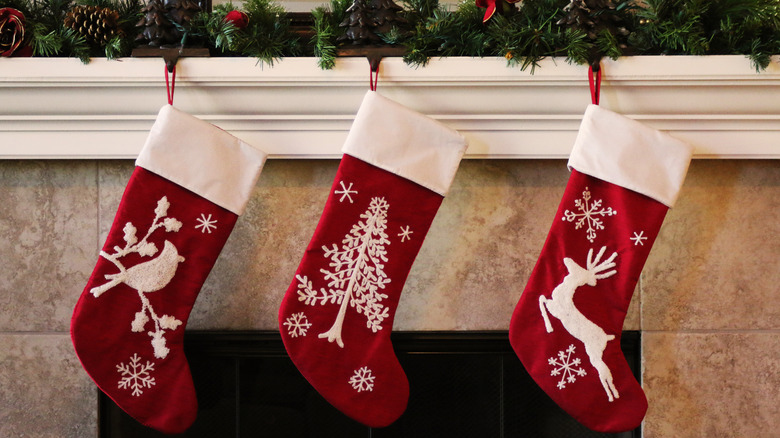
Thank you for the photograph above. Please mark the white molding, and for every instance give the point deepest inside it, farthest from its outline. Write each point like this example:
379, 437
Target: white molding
60, 108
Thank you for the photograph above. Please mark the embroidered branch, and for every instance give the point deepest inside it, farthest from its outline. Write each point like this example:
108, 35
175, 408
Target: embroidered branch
148, 276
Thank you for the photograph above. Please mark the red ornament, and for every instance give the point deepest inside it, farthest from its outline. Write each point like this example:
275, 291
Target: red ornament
492, 5
12, 34
238, 18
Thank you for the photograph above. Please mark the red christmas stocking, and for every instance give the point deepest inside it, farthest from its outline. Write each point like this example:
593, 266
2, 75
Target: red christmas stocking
337, 314
566, 328
191, 182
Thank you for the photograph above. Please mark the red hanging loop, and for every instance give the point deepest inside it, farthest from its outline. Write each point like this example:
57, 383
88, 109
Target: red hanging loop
170, 87
595, 83
373, 76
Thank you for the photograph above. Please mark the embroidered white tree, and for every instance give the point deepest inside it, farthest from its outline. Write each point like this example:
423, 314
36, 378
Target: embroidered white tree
358, 273
149, 276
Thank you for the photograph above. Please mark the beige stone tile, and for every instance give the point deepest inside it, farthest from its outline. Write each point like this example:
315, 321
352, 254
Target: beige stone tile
711, 384
482, 246
634, 315
113, 176
45, 392
47, 241
248, 282
715, 263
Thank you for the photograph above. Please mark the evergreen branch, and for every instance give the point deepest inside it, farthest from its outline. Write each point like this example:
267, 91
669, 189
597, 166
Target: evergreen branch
213, 30
268, 36
324, 39
685, 27
44, 42
608, 45
327, 31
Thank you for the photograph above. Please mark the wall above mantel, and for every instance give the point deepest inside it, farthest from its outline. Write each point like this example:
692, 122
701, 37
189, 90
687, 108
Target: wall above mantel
58, 108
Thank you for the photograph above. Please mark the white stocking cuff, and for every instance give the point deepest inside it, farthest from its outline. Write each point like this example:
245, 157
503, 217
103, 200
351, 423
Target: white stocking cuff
202, 158
622, 151
406, 143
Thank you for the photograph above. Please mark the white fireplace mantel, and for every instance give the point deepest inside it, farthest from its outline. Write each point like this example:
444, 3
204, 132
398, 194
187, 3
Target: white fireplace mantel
60, 108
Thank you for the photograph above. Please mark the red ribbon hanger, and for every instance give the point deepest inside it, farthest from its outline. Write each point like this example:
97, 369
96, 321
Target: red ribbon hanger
170, 87
594, 80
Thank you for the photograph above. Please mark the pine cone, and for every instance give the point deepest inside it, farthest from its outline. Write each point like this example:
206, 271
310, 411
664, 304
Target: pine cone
158, 30
96, 24
182, 11
367, 19
593, 16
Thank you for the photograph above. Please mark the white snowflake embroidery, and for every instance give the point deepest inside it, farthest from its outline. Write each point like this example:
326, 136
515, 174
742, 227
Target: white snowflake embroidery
638, 238
405, 234
566, 367
135, 376
358, 273
345, 192
149, 276
297, 325
206, 224
362, 380
588, 213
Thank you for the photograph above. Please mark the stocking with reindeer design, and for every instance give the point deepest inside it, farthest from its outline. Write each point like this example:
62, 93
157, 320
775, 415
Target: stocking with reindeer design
566, 327
338, 312
191, 182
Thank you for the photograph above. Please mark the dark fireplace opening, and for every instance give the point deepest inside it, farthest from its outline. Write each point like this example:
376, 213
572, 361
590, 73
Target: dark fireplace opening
462, 384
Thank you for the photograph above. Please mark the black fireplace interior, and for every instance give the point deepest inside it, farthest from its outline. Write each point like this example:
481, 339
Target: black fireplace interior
463, 384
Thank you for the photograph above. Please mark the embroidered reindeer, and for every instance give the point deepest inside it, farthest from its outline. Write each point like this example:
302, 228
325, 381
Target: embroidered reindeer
561, 306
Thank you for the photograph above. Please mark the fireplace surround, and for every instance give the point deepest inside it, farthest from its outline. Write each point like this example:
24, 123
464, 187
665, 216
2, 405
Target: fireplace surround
463, 384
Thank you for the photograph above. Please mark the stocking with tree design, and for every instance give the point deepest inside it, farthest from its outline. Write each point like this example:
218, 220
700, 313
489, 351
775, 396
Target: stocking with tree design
566, 327
191, 182
337, 314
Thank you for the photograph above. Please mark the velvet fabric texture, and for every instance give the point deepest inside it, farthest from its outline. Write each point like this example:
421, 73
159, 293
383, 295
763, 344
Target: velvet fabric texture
129, 336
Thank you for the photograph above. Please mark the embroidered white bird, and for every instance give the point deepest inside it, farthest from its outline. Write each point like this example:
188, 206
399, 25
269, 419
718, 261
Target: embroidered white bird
148, 276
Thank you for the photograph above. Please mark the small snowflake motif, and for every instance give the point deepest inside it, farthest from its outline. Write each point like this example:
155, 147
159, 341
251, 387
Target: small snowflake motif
405, 234
587, 214
566, 367
362, 380
135, 376
297, 325
638, 238
206, 224
345, 192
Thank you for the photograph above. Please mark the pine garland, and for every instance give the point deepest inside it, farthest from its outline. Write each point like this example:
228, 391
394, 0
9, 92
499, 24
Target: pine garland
538, 29
327, 31
51, 38
268, 36
710, 27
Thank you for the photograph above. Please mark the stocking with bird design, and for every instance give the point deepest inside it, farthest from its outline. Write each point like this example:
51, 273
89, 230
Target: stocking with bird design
191, 182
566, 328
